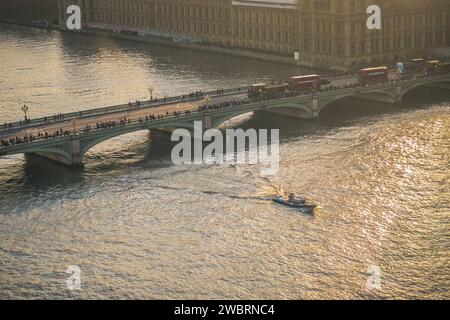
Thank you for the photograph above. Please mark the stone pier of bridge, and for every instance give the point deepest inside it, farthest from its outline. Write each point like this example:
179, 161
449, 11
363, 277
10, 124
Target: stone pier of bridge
71, 149
71, 154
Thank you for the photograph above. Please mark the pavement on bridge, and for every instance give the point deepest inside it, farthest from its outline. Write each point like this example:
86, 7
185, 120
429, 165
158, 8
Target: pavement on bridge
148, 110
132, 115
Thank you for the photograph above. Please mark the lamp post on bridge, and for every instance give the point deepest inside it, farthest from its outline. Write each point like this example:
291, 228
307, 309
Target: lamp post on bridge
74, 122
150, 90
206, 100
25, 110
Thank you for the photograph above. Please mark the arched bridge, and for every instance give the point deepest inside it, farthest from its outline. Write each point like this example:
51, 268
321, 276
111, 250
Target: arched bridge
76, 139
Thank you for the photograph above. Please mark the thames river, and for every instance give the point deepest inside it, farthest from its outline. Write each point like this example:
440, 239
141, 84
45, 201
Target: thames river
138, 226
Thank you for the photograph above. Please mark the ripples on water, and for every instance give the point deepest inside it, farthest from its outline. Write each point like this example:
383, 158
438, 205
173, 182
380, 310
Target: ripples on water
140, 227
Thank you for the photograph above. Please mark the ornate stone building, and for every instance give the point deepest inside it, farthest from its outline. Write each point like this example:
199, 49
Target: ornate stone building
29, 10
327, 33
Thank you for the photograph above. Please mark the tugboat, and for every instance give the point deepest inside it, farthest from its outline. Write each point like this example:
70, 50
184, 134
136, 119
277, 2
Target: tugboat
293, 202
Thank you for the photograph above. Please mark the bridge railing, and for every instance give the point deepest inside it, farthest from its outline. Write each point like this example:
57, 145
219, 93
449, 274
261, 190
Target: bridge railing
83, 114
167, 101
248, 105
119, 108
133, 123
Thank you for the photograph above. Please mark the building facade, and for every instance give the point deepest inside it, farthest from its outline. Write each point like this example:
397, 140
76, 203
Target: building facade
322, 33
29, 10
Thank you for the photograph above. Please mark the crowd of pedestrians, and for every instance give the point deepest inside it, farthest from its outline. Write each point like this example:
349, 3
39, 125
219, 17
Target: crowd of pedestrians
33, 137
56, 117
151, 117
196, 94
357, 84
113, 124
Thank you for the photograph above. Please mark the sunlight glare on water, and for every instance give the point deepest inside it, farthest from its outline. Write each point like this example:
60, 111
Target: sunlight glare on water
140, 227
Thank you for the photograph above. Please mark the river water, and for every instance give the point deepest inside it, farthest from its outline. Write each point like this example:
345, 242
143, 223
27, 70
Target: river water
140, 227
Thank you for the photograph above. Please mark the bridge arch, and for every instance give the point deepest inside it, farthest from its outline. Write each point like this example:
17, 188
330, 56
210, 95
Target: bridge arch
59, 153
299, 110
187, 124
90, 142
442, 83
218, 121
374, 95
285, 108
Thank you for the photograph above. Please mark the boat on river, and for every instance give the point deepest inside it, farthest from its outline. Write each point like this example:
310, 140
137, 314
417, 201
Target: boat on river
301, 204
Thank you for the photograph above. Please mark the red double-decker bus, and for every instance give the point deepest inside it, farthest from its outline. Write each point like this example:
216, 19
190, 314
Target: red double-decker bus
303, 83
373, 75
267, 90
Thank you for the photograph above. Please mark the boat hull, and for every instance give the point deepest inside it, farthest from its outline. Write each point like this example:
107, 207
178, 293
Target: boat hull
301, 206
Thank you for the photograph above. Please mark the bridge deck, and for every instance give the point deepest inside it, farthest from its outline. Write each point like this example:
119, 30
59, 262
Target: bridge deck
313, 103
133, 114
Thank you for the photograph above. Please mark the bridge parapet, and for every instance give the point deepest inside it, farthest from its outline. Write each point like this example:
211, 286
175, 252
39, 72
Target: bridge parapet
392, 92
71, 149
442, 81
90, 113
